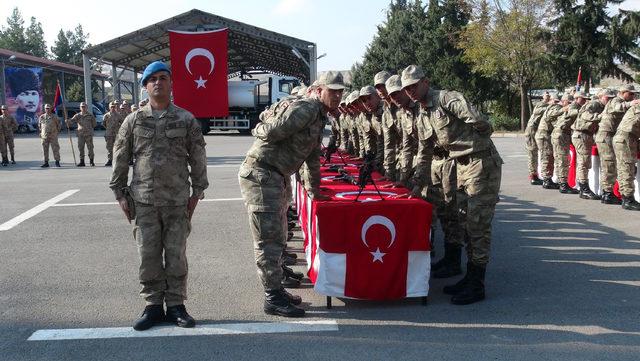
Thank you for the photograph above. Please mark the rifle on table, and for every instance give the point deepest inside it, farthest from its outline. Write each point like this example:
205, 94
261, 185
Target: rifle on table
365, 175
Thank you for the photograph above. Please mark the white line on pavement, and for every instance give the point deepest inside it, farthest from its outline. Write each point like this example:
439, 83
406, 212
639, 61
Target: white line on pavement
200, 330
114, 203
35, 210
236, 165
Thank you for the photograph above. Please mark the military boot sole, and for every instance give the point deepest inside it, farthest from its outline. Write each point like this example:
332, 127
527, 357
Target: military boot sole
593, 197
613, 201
467, 299
285, 311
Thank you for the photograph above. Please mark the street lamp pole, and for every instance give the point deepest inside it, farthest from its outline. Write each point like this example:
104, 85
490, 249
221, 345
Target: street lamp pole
3, 97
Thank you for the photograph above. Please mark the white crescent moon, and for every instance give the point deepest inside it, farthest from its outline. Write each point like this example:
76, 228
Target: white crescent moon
199, 52
381, 220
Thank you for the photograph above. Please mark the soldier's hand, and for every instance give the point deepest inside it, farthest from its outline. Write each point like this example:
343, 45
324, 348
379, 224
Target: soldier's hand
125, 208
191, 206
393, 185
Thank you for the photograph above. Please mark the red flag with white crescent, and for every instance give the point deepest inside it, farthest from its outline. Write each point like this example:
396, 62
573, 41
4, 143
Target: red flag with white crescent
199, 72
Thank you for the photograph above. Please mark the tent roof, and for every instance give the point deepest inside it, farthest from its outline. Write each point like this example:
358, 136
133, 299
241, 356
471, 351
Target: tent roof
250, 47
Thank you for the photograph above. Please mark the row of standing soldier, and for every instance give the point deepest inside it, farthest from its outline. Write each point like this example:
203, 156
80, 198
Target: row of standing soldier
610, 121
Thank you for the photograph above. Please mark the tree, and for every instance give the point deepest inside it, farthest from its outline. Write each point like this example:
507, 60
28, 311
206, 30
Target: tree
75, 92
12, 37
61, 48
34, 37
507, 43
69, 45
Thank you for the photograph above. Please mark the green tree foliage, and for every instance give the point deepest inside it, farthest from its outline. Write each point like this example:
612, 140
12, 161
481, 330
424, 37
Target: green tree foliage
28, 40
69, 45
34, 36
586, 36
75, 92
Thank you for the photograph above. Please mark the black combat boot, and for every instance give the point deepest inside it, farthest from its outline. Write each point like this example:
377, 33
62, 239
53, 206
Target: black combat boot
45, 165
178, 315
629, 203
586, 193
108, 163
449, 265
286, 271
81, 164
277, 303
13, 159
458, 286
152, 315
610, 198
91, 162
5, 161
473, 289
566, 189
294, 299
289, 254
535, 181
58, 163
547, 183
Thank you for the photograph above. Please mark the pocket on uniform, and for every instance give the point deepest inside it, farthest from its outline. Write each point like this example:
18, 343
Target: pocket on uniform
261, 175
176, 133
143, 132
244, 171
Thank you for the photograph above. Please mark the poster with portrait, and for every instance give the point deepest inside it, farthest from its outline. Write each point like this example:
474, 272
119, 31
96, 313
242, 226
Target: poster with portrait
24, 96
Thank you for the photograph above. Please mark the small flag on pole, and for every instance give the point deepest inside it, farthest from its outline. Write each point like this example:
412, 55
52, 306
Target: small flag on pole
579, 79
57, 100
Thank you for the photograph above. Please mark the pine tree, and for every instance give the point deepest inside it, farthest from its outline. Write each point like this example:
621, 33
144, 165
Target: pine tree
34, 37
12, 37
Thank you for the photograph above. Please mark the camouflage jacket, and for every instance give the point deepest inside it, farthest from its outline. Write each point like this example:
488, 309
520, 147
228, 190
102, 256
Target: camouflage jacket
589, 117
291, 138
612, 114
565, 121
86, 123
409, 146
630, 122
534, 120
548, 121
168, 151
49, 125
392, 131
112, 122
9, 124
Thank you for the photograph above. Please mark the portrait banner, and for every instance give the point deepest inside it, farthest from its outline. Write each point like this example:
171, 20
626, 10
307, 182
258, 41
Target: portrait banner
24, 96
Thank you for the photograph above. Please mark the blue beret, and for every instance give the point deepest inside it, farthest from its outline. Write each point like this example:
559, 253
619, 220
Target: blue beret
154, 67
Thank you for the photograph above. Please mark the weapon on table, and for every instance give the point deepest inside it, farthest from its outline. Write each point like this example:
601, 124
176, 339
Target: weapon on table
364, 175
329, 151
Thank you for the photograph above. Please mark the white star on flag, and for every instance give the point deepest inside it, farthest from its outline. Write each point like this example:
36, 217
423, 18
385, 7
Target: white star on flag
200, 82
377, 255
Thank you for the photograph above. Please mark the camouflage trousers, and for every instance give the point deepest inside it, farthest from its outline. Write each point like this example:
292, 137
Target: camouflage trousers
88, 140
264, 194
532, 154
442, 194
584, 143
110, 141
477, 195
354, 136
345, 141
3, 146
10, 144
604, 141
626, 147
561, 156
161, 236
55, 147
546, 157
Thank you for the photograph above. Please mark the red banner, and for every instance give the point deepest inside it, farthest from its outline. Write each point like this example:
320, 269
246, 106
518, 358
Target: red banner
199, 72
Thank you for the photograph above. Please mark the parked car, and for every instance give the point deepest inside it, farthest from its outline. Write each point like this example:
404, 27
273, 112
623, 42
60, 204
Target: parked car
73, 108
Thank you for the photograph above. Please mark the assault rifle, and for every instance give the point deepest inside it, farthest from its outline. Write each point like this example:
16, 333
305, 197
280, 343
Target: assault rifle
364, 175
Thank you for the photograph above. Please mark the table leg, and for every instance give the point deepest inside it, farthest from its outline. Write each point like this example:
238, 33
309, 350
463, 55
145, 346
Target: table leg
328, 302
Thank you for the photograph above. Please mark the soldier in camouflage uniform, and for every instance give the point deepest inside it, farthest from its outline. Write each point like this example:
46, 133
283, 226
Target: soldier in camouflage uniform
354, 128
49, 127
3, 135
626, 144
346, 142
584, 128
561, 138
112, 121
373, 107
86, 122
290, 140
448, 120
11, 126
609, 120
391, 128
529, 135
543, 140
169, 148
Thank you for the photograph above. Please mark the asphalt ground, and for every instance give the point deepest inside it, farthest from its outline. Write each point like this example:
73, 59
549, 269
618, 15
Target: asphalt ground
562, 282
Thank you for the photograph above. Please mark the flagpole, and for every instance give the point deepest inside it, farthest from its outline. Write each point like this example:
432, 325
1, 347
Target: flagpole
64, 114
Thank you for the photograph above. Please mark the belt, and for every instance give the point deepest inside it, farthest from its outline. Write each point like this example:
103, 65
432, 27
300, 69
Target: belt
253, 162
465, 159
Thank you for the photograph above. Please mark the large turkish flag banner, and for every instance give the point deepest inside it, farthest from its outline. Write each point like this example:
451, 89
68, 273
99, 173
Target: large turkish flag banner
199, 72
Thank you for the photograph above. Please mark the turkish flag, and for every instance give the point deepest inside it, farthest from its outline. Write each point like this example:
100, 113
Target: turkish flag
199, 72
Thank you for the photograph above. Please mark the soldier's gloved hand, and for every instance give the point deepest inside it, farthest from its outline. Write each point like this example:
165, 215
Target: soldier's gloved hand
125, 208
191, 205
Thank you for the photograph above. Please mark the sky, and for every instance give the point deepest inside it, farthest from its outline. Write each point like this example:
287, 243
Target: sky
342, 29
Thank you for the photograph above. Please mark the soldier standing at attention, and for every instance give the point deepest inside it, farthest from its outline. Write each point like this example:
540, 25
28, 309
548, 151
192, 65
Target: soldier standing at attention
3, 137
584, 128
49, 126
86, 122
529, 135
561, 138
11, 126
112, 121
169, 148
609, 120
627, 147
543, 140
283, 145
448, 120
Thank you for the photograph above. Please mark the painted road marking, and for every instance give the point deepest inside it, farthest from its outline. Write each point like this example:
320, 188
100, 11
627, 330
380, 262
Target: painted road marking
200, 330
35, 210
115, 203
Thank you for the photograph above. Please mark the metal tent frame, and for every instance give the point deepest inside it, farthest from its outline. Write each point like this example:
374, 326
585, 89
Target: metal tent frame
250, 49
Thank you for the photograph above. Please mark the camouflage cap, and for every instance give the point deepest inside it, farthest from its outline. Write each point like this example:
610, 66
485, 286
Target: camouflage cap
124, 102
381, 78
554, 97
353, 96
393, 84
295, 89
47, 106
580, 94
112, 104
302, 90
411, 75
3, 107
83, 104
609, 93
567, 97
627, 88
367, 90
332, 80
